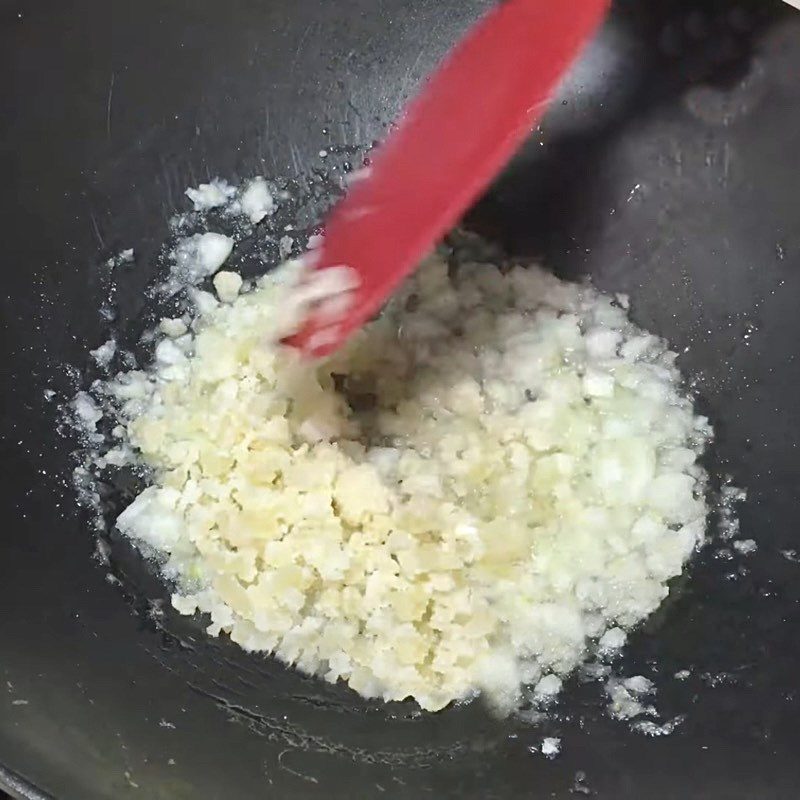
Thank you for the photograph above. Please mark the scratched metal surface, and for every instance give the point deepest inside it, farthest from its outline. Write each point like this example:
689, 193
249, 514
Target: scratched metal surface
665, 170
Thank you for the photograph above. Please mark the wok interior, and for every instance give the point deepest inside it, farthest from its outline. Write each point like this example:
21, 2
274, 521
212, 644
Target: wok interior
664, 171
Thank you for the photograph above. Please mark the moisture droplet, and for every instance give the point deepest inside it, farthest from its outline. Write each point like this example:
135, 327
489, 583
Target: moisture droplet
780, 251
749, 329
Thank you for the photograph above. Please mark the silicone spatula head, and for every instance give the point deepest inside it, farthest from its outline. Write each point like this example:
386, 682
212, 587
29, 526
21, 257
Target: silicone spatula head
453, 138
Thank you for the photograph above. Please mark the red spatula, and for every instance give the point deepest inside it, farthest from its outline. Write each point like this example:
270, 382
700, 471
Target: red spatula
452, 140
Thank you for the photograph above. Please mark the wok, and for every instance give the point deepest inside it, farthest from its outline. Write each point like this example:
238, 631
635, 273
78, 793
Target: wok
667, 169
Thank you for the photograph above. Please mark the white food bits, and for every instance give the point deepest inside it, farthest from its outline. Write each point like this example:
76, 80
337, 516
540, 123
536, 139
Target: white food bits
745, 547
204, 302
285, 246
672, 495
87, 412
119, 457
227, 286
624, 704
637, 346
168, 353
324, 283
638, 685
551, 746
434, 511
184, 604
211, 195
196, 257
328, 294
547, 689
123, 257
173, 327
360, 494
649, 728
153, 518
103, 354
612, 641
497, 675
256, 201
602, 343
598, 384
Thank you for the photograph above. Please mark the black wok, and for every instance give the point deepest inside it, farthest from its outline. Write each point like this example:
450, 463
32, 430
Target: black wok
668, 169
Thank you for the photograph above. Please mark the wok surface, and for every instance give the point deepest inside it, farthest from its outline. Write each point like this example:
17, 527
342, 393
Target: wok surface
668, 171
